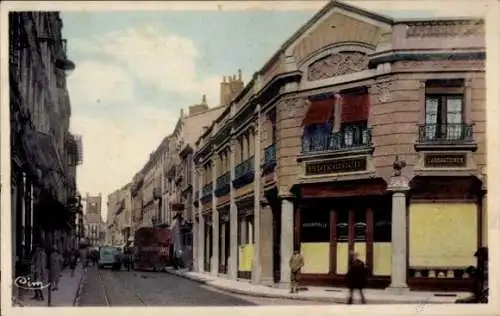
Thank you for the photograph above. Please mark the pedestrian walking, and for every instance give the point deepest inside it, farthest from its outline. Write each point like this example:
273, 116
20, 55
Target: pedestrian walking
84, 257
73, 260
39, 270
296, 263
56, 262
356, 277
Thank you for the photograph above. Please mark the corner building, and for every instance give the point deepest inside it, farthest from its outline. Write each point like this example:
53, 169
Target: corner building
361, 133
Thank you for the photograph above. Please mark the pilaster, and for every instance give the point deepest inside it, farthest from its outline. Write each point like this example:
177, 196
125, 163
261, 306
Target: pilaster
399, 187
233, 218
215, 220
287, 225
256, 264
201, 225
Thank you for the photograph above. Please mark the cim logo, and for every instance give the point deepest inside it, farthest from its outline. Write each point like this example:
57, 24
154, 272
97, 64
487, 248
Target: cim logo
28, 284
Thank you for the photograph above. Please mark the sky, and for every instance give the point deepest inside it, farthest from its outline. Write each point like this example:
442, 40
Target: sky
136, 70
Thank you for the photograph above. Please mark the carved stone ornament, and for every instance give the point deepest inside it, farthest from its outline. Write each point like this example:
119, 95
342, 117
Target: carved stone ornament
381, 90
445, 28
337, 65
398, 165
440, 64
292, 106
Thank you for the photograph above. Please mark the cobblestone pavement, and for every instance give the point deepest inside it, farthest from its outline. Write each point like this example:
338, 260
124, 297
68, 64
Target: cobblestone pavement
122, 288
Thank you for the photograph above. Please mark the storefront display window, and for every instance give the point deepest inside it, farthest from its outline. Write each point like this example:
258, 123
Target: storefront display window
315, 226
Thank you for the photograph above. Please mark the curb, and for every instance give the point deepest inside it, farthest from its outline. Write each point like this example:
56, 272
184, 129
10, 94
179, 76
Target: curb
181, 275
336, 300
76, 300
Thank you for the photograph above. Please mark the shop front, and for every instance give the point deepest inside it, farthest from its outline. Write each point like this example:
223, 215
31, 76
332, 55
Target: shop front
332, 220
246, 240
224, 235
208, 246
445, 231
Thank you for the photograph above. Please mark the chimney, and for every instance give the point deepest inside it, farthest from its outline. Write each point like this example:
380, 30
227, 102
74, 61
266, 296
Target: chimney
182, 113
225, 91
236, 85
204, 99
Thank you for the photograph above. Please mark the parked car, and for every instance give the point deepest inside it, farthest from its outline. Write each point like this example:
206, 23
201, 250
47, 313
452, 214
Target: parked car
109, 256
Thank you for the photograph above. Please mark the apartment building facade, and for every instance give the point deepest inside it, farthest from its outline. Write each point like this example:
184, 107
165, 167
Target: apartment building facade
362, 133
179, 170
93, 219
44, 154
119, 216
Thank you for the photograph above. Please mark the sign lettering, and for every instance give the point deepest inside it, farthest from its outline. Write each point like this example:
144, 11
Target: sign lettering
336, 166
448, 160
315, 225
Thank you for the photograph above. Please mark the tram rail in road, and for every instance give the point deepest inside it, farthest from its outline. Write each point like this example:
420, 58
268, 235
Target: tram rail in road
107, 296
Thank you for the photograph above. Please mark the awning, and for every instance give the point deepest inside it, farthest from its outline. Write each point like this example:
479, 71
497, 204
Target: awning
51, 214
41, 153
319, 112
41, 150
355, 107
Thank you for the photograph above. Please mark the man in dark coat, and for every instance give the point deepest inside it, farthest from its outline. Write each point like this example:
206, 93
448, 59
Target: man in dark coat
356, 277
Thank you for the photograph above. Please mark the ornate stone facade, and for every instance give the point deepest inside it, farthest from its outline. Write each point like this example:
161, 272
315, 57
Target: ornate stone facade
381, 90
292, 107
440, 64
337, 65
445, 29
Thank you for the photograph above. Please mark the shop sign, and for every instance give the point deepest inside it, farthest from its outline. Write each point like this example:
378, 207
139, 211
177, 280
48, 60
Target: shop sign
335, 166
315, 225
445, 160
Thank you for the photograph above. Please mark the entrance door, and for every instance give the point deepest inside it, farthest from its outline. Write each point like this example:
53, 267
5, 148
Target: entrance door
353, 225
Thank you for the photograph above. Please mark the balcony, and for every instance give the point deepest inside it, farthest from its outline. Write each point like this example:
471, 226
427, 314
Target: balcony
326, 142
446, 136
244, 173
269, 159
222, 186
206, 193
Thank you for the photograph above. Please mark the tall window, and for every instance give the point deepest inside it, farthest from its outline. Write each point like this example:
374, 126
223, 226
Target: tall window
343, 226
382, 225
315, 225
444, 107
360, 224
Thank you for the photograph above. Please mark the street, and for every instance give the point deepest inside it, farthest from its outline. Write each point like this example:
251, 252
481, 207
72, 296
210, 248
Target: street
122, 288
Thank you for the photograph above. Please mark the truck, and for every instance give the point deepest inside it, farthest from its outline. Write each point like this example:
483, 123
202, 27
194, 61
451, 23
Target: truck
152, 249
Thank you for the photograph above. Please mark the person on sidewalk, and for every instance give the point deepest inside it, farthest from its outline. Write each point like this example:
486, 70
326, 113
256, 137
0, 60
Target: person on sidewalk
38, 270
73, 260
296, 263
56, 262
356, 277
84, 257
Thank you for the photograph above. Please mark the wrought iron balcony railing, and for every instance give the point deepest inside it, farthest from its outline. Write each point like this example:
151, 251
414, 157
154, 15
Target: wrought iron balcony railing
445, 134
222, 184
270, 155
206, 192
326, 141
244, 173
269, 158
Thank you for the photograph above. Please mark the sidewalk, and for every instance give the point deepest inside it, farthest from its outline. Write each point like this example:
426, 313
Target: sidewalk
67, 295
318, 294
